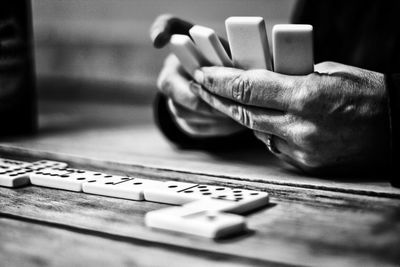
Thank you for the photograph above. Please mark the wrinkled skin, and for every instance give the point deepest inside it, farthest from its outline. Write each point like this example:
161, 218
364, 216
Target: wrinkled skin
193, 116
334, 120
190, 112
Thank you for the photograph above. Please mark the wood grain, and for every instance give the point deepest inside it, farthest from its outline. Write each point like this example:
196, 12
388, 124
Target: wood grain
105, 134
311, 221
301, 227
28, 244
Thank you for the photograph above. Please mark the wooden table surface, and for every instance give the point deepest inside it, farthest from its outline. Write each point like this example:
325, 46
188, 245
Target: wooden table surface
310, 221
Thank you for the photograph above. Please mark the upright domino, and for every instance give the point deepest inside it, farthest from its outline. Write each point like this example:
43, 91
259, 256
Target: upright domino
210, 46
188, 54
209, 224
248, 42
293, 49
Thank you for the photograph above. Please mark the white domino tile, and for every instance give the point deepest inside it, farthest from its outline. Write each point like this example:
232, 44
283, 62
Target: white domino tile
15, 177
241, 200
293, 49
210, 46
167, 192
63, 178
37, 165
17, 173
209, 224
178, 193
248, 42
119, 187
7, 164
204, 206
187, 53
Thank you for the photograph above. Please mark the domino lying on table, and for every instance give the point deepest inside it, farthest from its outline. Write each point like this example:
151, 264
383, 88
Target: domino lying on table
249, 47
204, 209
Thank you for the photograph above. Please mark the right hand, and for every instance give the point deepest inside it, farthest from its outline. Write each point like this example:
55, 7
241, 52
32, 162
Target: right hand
190, 112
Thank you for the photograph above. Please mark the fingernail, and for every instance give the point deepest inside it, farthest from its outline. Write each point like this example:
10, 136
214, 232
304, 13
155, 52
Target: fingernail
199, 76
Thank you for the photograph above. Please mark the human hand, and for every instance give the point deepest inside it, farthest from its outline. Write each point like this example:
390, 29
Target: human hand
192, 114
334, 120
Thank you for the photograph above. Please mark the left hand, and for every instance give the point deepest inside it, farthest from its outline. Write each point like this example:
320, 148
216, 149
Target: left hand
332, 120
189, 112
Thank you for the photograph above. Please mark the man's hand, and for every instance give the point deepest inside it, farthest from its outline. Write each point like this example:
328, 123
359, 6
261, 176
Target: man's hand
335, 119
190, 112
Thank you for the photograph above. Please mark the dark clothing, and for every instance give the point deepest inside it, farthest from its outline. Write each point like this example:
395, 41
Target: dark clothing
359, 33
364, 34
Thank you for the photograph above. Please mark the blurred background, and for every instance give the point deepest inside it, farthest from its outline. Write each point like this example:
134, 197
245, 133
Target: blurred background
104, 45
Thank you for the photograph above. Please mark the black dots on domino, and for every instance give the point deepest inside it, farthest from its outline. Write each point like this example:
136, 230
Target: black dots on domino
222, 193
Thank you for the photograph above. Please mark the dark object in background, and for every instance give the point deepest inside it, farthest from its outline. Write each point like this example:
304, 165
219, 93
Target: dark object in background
17, 82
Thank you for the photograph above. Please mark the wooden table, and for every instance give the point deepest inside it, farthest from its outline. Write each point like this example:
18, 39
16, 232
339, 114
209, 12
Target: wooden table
310, 221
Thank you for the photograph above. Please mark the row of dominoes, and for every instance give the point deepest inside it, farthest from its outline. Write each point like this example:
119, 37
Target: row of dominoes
248, 42
203, 210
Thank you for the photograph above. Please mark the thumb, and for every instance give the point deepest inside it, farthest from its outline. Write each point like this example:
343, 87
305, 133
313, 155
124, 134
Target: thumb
164, 26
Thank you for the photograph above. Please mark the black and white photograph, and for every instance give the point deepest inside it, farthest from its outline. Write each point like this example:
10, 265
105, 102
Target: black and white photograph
195, 133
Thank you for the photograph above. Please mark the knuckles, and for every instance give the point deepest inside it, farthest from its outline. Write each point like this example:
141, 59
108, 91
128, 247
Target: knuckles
305, 95
306, 140
242, 115
241, 86
315, 95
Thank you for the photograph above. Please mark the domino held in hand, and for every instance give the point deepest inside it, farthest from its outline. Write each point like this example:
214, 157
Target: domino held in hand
207, 41
187, 53
293, 49
248, 42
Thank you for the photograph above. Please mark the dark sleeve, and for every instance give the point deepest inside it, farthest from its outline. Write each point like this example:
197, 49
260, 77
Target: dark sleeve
173, 133
393, 85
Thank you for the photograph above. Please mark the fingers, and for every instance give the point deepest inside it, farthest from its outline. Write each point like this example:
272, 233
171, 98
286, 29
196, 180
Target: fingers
329, 67
208, 129
255, 118
261, 88
164, 26
278, 143
195, 117
174, 83
284, 151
